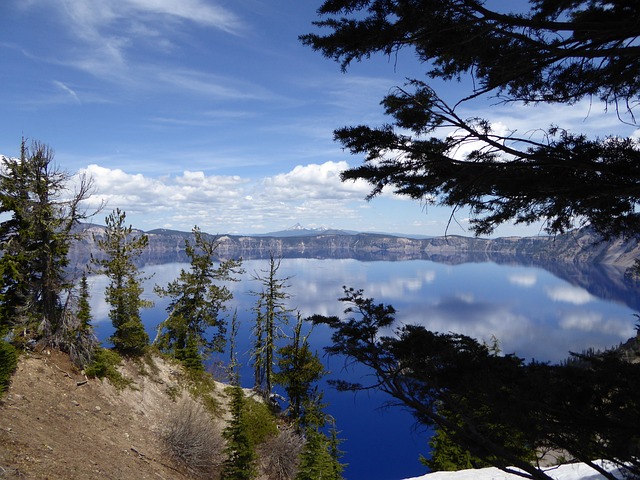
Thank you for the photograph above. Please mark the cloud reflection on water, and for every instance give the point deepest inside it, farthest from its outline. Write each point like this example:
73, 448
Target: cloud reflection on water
545, 319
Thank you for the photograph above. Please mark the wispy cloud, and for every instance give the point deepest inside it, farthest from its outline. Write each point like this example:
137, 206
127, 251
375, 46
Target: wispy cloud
593, 322
102, 35
67, 90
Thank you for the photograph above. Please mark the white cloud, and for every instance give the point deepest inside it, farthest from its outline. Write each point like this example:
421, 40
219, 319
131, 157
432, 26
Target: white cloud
226, 204
568, 294
196, 11
67, 90
105, 37
315, 182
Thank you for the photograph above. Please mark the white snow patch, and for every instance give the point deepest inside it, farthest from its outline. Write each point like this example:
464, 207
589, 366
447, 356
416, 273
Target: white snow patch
574, 471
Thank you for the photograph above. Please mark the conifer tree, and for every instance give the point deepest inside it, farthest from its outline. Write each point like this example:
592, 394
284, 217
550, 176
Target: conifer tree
121, 247
240, 462
298, 371
436, 149
197, 301
83, 341
271, 316
40, 213
320, 454
84, 308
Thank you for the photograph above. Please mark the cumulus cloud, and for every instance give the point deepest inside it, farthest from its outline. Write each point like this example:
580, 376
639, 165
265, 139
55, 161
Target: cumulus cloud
231, 203
315, 181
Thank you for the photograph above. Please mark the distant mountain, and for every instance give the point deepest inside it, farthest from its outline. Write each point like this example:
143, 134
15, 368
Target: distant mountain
299, 231
579, 247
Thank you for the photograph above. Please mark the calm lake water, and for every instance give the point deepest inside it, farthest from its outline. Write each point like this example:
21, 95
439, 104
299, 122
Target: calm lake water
532, 312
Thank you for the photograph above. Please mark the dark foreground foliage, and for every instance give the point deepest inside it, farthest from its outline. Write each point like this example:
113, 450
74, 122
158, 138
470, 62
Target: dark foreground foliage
499, 408
547, 52
8, 364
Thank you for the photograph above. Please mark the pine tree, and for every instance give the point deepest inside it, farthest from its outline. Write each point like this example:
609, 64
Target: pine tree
35, 236
121, 247
320, 457
271, 316
539, 52
84, 308
240, 462
197, 301
83, 341
320, 454
298, 370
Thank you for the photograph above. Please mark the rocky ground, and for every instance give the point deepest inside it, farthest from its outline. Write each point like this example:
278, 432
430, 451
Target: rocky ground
56, 424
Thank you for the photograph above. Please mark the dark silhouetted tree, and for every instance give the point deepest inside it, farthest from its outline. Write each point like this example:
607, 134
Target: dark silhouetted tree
496, 407
549, 52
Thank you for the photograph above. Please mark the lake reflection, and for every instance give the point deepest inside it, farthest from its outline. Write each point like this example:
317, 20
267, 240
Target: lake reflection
531, 312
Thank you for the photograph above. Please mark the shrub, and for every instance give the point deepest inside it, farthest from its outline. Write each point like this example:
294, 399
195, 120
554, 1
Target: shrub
8, 364
193, 440
201, 386
105, 364
259, 420
280, 455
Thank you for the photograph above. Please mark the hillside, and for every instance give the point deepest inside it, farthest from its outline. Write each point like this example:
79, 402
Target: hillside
55, 424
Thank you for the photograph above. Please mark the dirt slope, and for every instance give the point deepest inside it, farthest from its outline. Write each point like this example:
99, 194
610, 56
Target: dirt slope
53, 425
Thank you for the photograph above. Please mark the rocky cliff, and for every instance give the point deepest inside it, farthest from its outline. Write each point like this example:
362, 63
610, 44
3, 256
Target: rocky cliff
580, 246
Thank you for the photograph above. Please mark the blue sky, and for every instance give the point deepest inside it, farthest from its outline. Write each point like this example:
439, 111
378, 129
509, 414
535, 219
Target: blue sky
211, 113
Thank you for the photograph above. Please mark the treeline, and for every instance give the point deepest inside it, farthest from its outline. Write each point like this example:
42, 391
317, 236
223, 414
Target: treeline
41, 306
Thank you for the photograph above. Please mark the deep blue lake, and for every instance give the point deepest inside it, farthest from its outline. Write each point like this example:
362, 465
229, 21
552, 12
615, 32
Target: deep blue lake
532, 312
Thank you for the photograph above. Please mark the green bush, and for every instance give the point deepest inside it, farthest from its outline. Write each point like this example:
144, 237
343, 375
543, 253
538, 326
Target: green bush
201, 387
259, 420
8, 364
105, 365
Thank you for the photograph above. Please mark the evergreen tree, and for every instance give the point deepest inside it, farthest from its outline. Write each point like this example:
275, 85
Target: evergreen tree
299, 370
547, 52
197, 300
40, 213
240, 462
447, 455
320, 454
271, 316
120, 248
84, 308
8, 364
83, 341
335, 453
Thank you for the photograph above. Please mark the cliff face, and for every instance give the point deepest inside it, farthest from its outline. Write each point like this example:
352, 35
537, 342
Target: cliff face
577, 247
